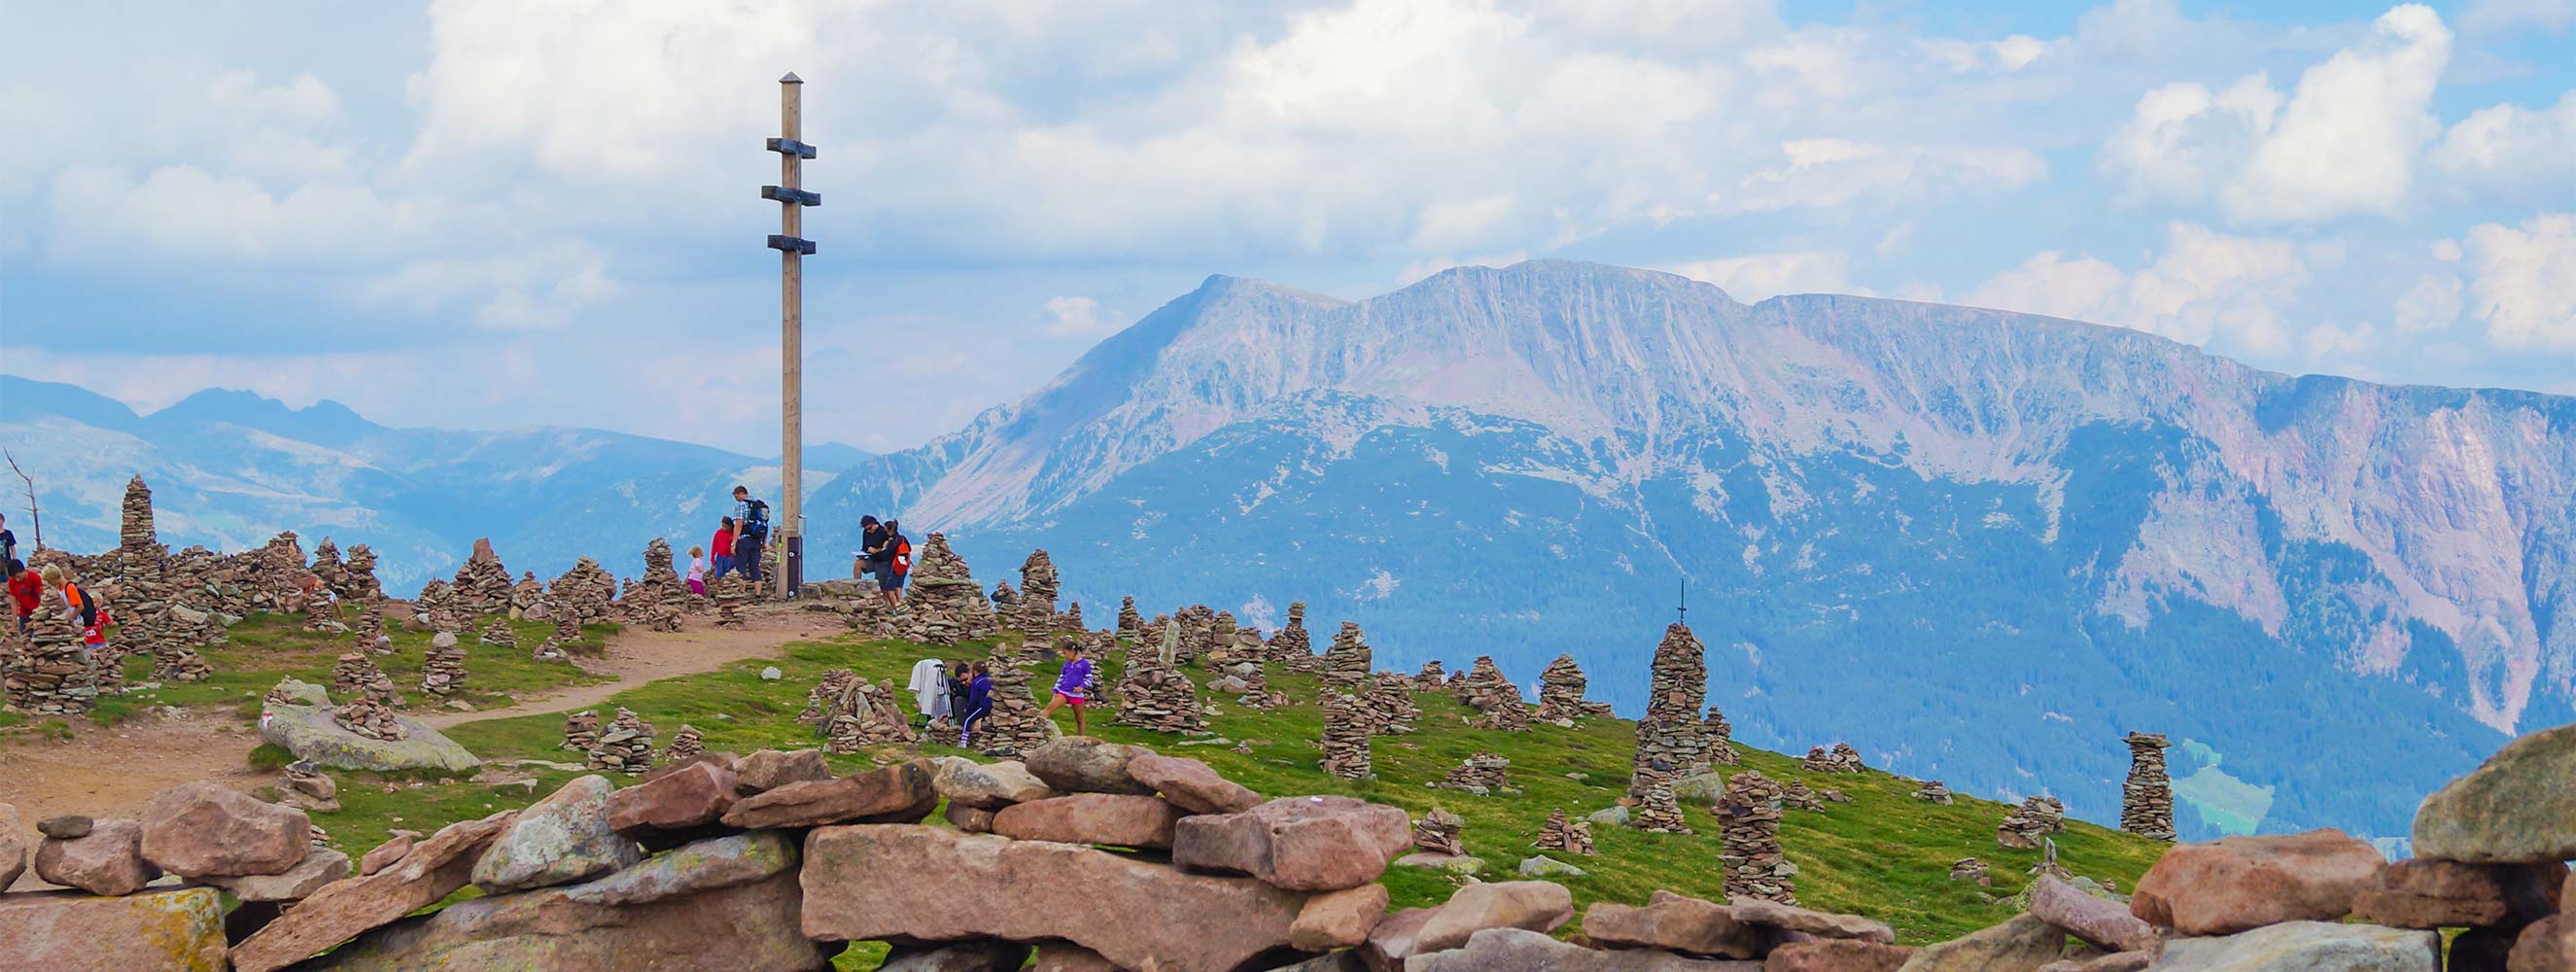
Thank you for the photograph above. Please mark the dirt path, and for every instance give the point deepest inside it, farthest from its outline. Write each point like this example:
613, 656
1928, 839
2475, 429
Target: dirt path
104, 772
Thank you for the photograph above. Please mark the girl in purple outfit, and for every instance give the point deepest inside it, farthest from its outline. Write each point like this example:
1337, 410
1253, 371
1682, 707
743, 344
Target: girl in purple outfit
1070, 685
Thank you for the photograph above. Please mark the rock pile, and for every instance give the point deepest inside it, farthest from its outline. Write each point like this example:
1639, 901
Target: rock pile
826, 692
1560, 834
865, 714
559, 643
659, 596
1015, 724
369, 716
1387, 705
624, 746
1159, 698
1438, 832
499, 633
1560, 693
1669, 738
686, 744
50, 675
370, 628
1749, 830
586, 594
1658, 812
1841, 759
1796, 795
442, 671
731, 594
435, 607
1346, 737
358, 577
356, 674
1971, 869
1497, 701
173, 661
1197, 624
1932, 791
1290, 646
1429, 678
946, 604
1347, 659
1480, 774
2146, 800
581, 731
2026, 825
1131, 625
482, 585
1719, 736
1033, 610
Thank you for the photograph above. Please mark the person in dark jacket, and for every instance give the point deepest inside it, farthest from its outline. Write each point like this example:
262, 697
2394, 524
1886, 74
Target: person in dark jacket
979, 703
961, 677
871, 536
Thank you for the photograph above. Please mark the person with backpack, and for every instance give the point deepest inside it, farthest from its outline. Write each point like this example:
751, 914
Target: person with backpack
26, 590
895, 565
751, 529
82, 608
722, 546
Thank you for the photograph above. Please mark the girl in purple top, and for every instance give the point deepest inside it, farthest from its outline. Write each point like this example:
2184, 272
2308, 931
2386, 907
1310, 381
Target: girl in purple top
979, 703
1069, 685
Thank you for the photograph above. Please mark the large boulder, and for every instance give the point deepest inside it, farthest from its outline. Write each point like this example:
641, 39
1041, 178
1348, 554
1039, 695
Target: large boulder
2307, 946
2513, 808
1091, 818
179, 930
309, 732
1538, 906
2423, 893
108, 860
1191, 784
1083, 764
731, 903
318, 868
1521, 950
987, 786
1338, 919
692, 796
2097, 920
1310, 843
933, 884
1391, 942
2236, 883
2022, 944
557, 840
2547, 946
1837, 955
1672, 922
769, 769
1822, 924
205, 829
13, 846
433, 869
900, 793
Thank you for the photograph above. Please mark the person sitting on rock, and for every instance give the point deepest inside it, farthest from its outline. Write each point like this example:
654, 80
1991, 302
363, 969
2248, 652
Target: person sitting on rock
1071, 684
979, 703
871, 538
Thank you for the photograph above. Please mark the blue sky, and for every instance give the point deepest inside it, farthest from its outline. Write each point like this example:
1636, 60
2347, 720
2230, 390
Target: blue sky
466, 214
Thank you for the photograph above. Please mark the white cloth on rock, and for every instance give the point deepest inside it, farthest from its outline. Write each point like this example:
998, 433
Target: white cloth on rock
930, 685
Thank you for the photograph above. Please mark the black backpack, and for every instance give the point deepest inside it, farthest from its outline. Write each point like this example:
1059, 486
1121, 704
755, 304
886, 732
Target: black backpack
757, 521
88, 609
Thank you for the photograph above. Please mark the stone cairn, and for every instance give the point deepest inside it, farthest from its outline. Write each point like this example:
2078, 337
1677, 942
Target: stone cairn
626, 746
1429, 678
2026, 825
356, 674
1015, 725
1480, 774
947, 605
482, 584
436, 607
1155, 694
1290, 646
558, 646
1798, 796
1971, 869
687, 743
1933, 791
586, 592
1841, 759
1657, 811
499, 633
368, 715
1561, 834
1438, 832
2146, 801
865, 714
1749, 828
731, 595
326, 565
1560, 693
1388, 705
1033, 611
1669, 740
1719, 735
1497, 701
1197, 624
1347, 659
1130, 623
1346, 738
371, 629
826, 693
442, 672
358, 576
528, 597
659, 593
581, 731
50, 675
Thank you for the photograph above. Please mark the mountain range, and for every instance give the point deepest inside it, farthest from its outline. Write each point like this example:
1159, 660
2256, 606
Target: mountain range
1978, 545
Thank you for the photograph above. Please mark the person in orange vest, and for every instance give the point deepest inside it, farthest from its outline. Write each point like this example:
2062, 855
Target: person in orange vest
82, 609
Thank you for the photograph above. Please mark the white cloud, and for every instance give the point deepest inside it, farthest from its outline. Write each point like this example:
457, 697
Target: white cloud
2344, 142
546, 286
2512, 147
2432, 303
1762, 276
1074, 317
2523, 281
102, 215
1833, 172
2496, 16
2207, 288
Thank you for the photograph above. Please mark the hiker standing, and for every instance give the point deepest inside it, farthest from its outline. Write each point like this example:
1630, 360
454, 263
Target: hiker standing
1072, 685
26, 591
979, 703
8, 542
894, 564
698, 571
722, 547
750, 530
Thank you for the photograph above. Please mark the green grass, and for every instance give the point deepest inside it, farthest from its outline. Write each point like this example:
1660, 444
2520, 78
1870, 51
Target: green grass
1884, 854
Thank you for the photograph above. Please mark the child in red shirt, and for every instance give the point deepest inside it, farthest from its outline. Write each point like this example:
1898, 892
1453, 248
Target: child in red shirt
25, 589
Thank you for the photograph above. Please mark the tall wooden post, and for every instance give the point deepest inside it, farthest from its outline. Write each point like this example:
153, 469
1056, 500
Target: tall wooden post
792, 247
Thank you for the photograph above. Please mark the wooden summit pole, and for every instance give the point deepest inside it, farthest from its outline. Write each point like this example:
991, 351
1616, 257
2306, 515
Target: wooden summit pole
792, 247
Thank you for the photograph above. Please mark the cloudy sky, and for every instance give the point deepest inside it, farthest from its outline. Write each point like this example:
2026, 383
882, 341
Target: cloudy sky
485, 213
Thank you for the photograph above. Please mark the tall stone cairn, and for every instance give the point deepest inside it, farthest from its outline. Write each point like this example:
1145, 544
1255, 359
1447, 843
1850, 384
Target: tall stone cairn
1072, 622
482, 584
1719, 735
1560, 693
688, 743
436, 607
499, 633
1497, 701
50, 675
2146, 801
1388, 705
135, 527
370, 628
581, 730
658, 598
1198, 633
358, 576
1034, 610
587, 592
1290, 646
1130, 623
625, 745
1657, 811
1669, 740
944, 597
1346, 738
1481, 774
1154, 693
1439, 832
1006, 603
1567, 836
1347, 659
356, 675
2025, 826
1749, 832
326, 565
731, 595
1015, 724
865, 714
442, 672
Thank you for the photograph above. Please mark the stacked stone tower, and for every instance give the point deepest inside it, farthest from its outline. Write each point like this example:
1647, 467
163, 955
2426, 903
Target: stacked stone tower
2146, 801
1669, 739
1749, 830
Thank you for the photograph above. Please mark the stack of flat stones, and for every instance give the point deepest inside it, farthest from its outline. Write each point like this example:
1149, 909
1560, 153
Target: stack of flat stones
1480, 774
356, 674
1130, 623
1561, 834
1972, 870
358, 576
442, 671
1797, 795
1430, 677
1560, 693
1749, 830
1438, 832
436, 607
1933, 791
1015, 724
326, 565
1155, 694
1347, 659
687, 743
826, 693
1497, 701
1657, 811
1197, 624
368, 715
275, 569
51, 675
586, 592
1840, 759
1669, 737
581, 731
731, 594
624, 746
947, 605
2026, 825
1290, 646
482, 583
1346, 738
499, 633
371, 628
865, 714
528, 597
1033, 610
659, 592
558, 645
2146, 800
1719, 735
